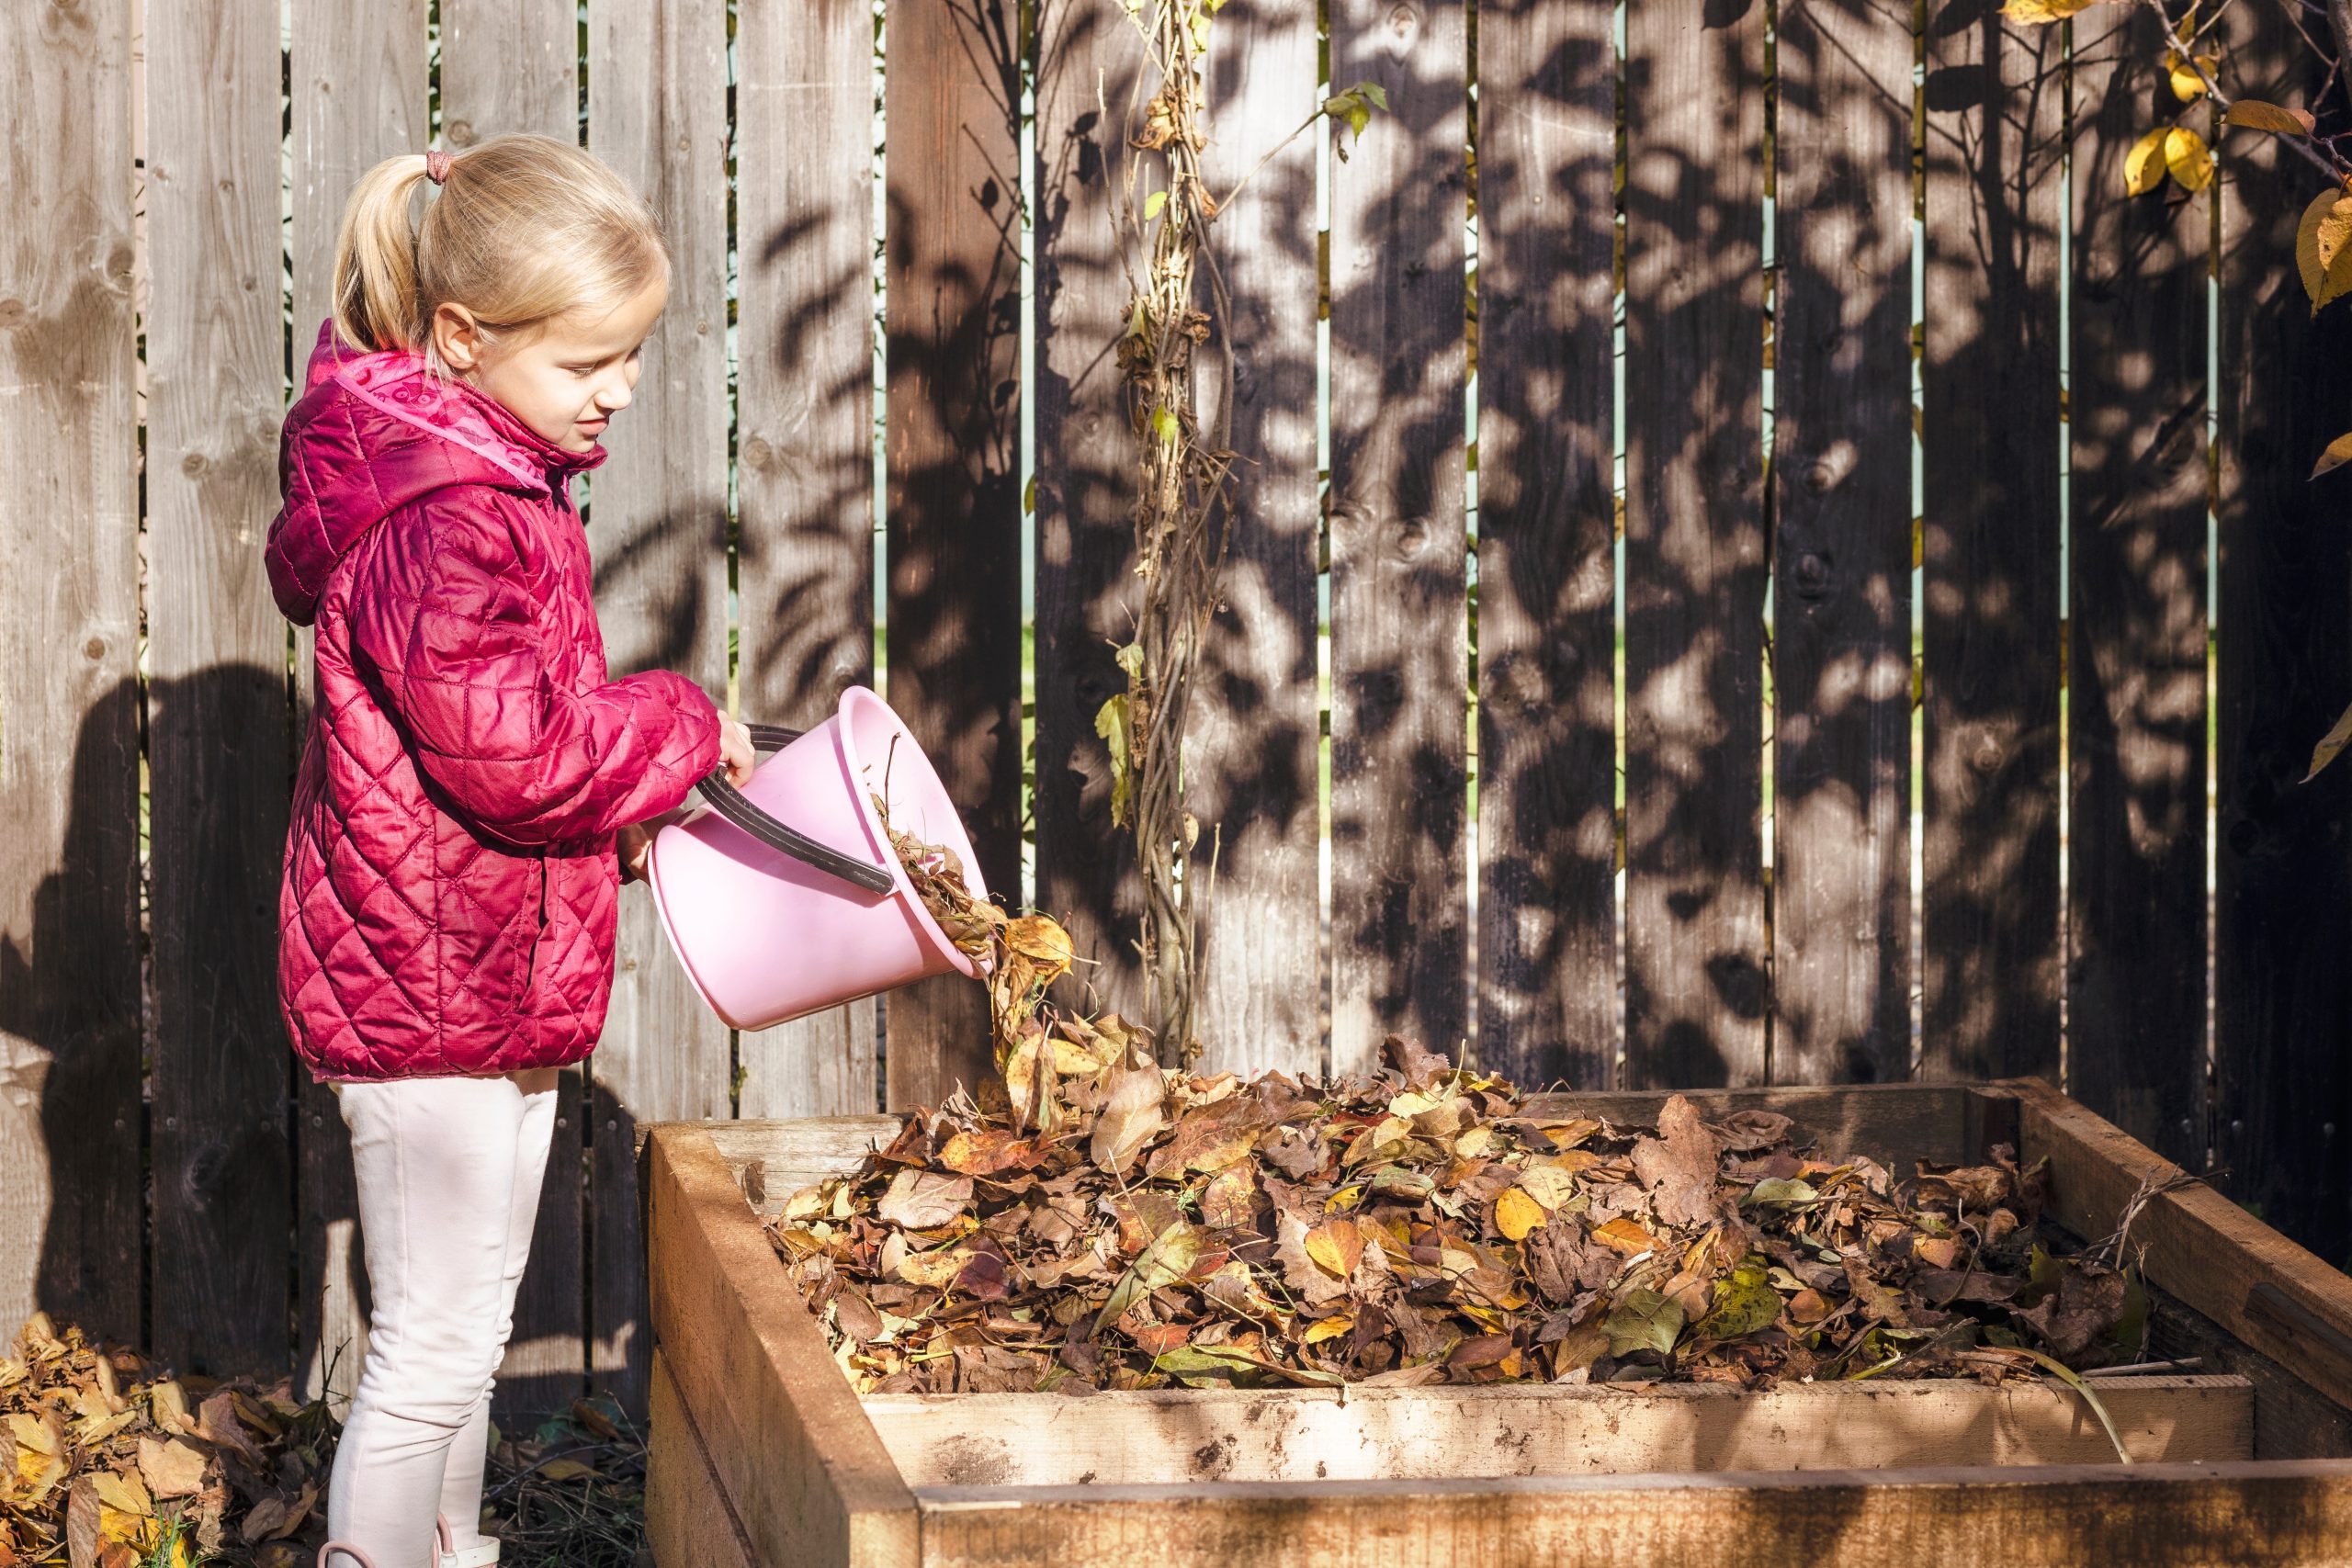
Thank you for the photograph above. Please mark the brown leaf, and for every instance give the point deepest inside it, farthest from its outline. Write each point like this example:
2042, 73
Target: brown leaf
1421, 1067
920, 1201
174, 1468
2256, 115
2073, 1318
1678, 1167
988, 1151
1134, 1115
1746, 1131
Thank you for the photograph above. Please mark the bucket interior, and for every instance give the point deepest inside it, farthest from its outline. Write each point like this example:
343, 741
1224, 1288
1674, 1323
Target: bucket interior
919, 804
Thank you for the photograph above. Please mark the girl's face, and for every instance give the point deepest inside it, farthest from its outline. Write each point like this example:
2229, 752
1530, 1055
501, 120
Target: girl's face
565, 379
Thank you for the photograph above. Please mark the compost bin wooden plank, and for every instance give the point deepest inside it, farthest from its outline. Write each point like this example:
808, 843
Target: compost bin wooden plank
217, 722
1991, 461
1251, 753
784, 1433
1439, 1433
953, 100
2135, 667
1546, 644
1841, 511
1696, 988
1400, 726
772, 1160
2283, 905
657, 529
1089, 59
690, 1521
2163, 1516
511, 65
71, 1202
358, 85
805, 444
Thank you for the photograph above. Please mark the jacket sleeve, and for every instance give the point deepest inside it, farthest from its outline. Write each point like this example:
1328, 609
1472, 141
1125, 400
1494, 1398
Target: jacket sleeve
444, 618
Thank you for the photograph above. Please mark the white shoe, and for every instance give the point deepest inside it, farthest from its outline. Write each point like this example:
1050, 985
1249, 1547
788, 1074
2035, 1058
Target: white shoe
483, 1555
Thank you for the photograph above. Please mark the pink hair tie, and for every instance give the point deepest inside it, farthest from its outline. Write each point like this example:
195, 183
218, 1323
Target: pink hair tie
436, 167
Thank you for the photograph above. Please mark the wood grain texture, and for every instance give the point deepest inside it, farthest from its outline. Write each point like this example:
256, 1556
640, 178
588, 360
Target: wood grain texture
657, 528
358, 86
1088, 60
70, 1199
1547, 721
2283, 898
2135, 900
509, 66
1994, 151
953, 104
1250, 755
1399, 719
1696, 988
805, 444
689, 1519
1841, 515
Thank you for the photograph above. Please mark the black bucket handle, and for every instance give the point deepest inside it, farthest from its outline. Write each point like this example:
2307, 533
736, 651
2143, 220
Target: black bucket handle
734, 806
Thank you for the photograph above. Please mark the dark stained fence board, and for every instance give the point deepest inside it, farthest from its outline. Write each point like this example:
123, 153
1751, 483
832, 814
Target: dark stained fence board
70, 1199
657, 528
2283, 913
1841, 511
805, 203
1251, 756
1399, 806
1990, 946
1547, 829
951, 445
1089, 58
2135, 902
1697, 988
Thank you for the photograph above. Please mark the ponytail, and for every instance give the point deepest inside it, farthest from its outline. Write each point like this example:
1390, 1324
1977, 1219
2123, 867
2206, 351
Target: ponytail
376, 291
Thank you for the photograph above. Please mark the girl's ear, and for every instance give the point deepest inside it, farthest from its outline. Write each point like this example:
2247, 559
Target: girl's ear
457, 339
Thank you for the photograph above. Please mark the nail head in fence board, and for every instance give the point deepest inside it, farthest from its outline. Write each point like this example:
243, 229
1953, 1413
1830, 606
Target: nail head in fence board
1995, 157
1696, 988
2135, 903
1548, 717
953, 103
1841, 510
657, 528
804, 200
217, 727
1089, 58
70, 1201
1399, 786
2283, 906
359, 97
1250, 758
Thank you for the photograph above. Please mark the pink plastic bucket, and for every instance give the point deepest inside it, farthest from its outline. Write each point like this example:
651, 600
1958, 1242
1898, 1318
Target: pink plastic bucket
767, 938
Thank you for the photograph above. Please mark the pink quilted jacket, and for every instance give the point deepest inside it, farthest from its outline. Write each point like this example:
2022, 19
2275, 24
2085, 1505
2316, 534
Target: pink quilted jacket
449, 890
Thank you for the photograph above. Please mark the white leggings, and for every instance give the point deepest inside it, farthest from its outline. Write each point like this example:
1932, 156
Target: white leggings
448, 1173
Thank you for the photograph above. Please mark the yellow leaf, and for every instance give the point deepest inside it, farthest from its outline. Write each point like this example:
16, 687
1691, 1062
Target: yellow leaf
2042, 13
1548, 1184
2330, 744
2186, 156
1515, 1213
2143, 166
2256, 115
2338, 453
1329, 1328
567, 1470
122, 1493
2187, 84
1625, 1237
1335, 1245
2321, 248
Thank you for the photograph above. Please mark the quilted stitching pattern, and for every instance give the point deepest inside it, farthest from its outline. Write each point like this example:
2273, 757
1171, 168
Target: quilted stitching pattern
449, 894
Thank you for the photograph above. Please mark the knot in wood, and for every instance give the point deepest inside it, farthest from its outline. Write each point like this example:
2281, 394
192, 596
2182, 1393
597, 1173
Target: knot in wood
1813, 575
757, 452
13, 314
1404, 21
1411, 539
95, 650
461, 133
193, 464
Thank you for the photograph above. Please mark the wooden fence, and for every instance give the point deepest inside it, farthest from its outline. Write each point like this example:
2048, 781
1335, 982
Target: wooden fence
166, 1177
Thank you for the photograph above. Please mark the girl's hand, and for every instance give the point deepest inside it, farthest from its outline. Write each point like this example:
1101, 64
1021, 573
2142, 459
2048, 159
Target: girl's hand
632, 843
735, 752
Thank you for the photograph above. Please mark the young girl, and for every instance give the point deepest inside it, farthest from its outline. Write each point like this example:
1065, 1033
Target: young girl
471, 781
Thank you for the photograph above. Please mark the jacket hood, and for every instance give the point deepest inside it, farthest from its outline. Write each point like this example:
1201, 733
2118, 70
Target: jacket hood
370, 433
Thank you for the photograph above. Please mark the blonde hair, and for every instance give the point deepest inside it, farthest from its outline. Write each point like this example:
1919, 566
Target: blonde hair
522, 228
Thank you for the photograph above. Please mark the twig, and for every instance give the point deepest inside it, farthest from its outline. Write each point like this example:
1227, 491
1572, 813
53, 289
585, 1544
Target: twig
2326, 160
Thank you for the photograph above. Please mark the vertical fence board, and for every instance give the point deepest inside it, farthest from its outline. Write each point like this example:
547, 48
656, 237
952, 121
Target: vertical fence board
805, 196
1697, 990
2135, 905
1399, 806
70, 1201
359, 97
1989, 944
2283, 911
1547, 721
953, 103
656, 527
1088, 57
1841, 513
510, 66
217, 731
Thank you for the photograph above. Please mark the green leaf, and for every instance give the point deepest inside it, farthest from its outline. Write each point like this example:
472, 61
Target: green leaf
2330, 744
1201, 31
2066, 1375
1111, 724
1168, 1258
1152, 207
1745, 1304
1130, 659
1163, 425
1643, 1320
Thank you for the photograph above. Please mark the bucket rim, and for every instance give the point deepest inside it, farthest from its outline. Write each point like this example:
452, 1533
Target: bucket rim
845, 747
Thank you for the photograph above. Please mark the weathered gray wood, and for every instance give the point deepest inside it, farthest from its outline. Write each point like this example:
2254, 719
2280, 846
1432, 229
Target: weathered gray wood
1696, 988
70, 1202
216, 723
952, 449
804, 209
1841, 476
1995, 145
359, 97
1399, 790
1547, 722
656, 527
1251, 757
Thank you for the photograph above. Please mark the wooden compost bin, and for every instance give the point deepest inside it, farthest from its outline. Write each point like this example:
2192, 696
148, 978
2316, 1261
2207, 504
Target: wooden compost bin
764, 1458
